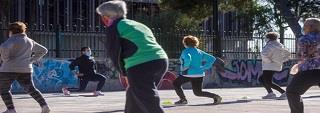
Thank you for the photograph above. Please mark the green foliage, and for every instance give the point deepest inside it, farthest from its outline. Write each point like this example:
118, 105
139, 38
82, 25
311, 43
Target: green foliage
301, 8
236, 5
198, 9
305, 8
262, 17
168, 20
258, 15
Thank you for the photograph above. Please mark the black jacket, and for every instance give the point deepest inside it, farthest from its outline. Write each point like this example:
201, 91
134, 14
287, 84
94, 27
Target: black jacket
86, 66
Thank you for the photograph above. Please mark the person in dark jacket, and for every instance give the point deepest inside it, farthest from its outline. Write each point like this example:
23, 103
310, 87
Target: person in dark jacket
87, 72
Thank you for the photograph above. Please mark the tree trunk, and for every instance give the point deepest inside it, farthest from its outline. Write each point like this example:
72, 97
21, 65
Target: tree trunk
289, 17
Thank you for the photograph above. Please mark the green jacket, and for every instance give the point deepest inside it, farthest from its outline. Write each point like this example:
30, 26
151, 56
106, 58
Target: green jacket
130, 43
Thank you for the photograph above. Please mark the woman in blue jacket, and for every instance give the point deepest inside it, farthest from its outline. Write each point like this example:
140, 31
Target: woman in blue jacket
194, 63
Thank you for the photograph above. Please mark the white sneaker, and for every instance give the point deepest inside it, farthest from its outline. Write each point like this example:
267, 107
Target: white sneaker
65, 91
217, 100
45, 109
283, 96
10, 111
98, 93
270, 96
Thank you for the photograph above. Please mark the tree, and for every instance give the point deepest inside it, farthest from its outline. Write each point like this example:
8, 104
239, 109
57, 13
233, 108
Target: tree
287, 12
168, 20
290, 18
258, 15
248, 9
294, 10
198, 9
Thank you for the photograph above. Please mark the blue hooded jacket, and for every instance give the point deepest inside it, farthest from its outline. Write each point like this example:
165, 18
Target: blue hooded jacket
194, 62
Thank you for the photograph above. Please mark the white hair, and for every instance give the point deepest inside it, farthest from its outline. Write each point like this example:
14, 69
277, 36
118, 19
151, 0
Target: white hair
314, 23
113, 9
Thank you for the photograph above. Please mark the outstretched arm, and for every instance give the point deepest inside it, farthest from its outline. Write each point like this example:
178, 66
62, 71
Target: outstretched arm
38, 51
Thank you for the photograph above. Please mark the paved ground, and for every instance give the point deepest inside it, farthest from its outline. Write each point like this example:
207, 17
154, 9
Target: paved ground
113, 102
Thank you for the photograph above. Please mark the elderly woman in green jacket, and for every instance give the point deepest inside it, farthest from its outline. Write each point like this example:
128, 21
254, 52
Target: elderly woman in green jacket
133, 49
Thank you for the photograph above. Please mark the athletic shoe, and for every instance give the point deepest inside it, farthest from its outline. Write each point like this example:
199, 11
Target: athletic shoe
98, 93
217, 100
283, 96
65, 91
270, 96
181, 102
45, 109
10, 111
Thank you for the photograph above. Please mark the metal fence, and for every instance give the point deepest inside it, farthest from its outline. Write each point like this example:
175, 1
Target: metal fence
66, 43
235, 45
247, 45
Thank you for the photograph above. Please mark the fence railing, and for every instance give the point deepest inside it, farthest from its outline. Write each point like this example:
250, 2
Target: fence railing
66, 43
235, 45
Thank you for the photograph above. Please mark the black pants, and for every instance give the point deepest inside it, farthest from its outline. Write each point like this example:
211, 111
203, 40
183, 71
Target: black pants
300, 83
266, 80
196, 87
85, 80
142, 94
25, 80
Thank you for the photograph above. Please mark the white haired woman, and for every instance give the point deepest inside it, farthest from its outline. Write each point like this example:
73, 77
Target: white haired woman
270, 52
308, 66
133, 49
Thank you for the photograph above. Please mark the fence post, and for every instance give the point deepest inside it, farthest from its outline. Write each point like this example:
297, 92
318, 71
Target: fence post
217, 40
3, 32
282, 35
57, 32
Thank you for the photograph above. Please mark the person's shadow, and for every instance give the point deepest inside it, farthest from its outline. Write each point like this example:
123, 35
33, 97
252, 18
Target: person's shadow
317, 96
223, 103
114, 111
211, 104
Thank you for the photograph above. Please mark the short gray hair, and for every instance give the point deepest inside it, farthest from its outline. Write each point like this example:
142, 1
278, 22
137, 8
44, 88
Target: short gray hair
113, 9
314, 22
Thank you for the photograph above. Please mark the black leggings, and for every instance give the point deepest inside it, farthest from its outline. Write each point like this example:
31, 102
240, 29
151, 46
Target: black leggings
266, 80
300, 83
196, 86
25, 80
85, 80
142, 94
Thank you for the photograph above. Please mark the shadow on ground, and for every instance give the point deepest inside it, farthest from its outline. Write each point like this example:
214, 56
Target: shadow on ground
228, 102
114, 111
317, 96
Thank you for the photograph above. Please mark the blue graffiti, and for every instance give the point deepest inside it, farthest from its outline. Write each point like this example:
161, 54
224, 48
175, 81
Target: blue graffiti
51, 75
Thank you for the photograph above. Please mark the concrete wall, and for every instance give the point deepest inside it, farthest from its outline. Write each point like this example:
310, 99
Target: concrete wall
51, 75
240, 73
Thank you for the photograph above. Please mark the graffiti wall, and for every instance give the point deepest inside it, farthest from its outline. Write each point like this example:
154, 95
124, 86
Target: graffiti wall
240, 73
51, 75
